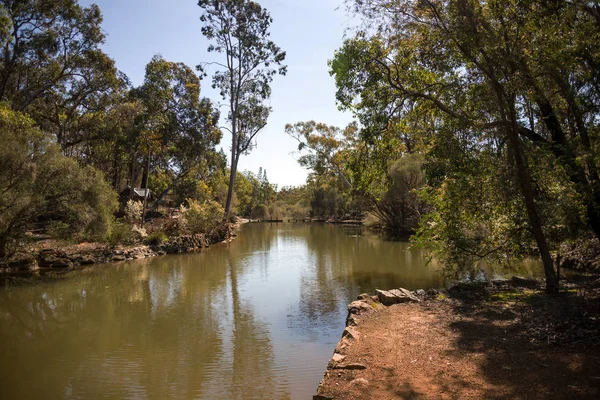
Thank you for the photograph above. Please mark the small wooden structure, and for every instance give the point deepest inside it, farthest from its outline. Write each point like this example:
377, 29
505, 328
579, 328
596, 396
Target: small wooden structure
135, 194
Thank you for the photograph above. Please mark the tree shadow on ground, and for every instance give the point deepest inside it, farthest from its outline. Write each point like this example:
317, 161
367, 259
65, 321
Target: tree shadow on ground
532, 347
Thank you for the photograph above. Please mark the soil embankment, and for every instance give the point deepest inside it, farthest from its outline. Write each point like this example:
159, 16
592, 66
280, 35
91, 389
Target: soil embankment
499, 344
52, 256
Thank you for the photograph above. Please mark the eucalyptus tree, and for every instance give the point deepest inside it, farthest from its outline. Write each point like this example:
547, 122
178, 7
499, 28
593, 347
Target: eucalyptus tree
239, 29
52, 67
178, 129
502, 80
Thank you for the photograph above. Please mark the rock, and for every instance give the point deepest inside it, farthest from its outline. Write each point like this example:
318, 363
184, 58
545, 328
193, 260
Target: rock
87, 260
335, 360
351, 320
363, 296
117, 257
405, 296
524, 282
341, 346
433, 292
361, 382
395, 296
358, 307
25, 264
420, 293
354, 366
62, 263
350, 333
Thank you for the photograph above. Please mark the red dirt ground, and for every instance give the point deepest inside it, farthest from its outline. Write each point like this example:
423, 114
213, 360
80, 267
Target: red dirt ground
445, 349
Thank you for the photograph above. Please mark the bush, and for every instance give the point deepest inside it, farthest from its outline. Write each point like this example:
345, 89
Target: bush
156, 238
201, 217
59, 230
259, 212
133, 211
37, 182
120, 233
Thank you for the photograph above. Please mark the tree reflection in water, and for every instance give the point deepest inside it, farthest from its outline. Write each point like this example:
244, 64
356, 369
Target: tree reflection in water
257, 318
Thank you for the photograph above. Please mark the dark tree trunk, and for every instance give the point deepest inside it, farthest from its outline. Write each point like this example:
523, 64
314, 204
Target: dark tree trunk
3, 246
535, 222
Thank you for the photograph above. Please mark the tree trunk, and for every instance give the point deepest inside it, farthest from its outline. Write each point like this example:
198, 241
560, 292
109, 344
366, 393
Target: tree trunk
524, 178
146, 175
167, 190
232, 176
3, 246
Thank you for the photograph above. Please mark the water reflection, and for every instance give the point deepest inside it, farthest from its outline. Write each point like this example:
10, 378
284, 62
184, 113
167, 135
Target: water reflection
255, 319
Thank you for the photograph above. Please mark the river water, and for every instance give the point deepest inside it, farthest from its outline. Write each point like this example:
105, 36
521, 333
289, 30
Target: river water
256, 319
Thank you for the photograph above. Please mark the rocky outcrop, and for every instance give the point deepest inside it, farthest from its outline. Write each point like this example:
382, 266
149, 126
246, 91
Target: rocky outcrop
396, 296
56, 259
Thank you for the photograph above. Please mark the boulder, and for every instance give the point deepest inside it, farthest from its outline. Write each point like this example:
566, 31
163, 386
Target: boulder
524, 282
364, 297
395, 296
350, 333
62, 263
336, 360
87, 260
358, 307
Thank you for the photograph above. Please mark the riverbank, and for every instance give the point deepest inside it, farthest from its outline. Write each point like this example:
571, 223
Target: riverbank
495, 342
53, 256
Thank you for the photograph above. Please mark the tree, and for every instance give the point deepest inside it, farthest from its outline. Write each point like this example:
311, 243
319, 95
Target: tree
240, 30
326, 148
37, 182
51, 65
503, 78
178, 127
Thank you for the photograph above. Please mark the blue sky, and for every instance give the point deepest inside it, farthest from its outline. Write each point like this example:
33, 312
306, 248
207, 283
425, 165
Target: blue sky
308, 30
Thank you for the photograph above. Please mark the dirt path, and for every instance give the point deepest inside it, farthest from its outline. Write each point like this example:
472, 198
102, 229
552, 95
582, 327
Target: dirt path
446, 349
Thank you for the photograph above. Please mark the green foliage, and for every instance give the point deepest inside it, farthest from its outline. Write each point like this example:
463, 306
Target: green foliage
60, 230
260, 211
156, 238
37, 182
252, 191
493, 94
240, 30
400, 208
201, 217
120, 233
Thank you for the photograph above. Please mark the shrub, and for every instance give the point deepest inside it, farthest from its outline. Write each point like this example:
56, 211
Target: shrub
260, 211
133, 211
37, 182
156, 238
201, 217
60, 230
120, 233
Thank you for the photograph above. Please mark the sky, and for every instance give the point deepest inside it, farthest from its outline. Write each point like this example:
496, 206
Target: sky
308, 30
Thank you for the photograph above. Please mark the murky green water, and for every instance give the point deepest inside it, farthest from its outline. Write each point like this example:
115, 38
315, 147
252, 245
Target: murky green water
257, 319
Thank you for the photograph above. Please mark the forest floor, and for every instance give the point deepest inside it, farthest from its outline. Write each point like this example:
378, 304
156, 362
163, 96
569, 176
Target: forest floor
507, 344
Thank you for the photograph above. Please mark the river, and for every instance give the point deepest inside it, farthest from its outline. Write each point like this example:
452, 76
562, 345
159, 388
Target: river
255, 319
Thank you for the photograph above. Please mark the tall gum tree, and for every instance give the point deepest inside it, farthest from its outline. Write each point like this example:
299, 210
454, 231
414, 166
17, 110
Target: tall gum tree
239, 29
